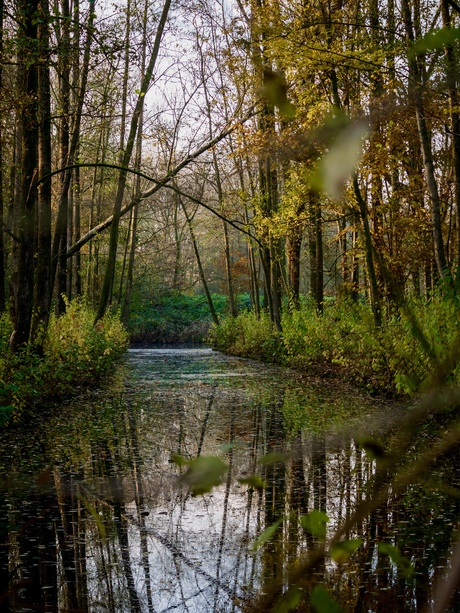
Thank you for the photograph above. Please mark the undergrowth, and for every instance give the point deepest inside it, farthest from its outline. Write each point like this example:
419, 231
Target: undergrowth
175, 317
75, 355
344, 340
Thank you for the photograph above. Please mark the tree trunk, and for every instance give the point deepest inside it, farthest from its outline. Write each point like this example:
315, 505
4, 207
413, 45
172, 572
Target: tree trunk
415, 76
2, 241
369, 251
293, 250
117, 208
452, 86
60, 236
43, 288
69, 149
212, 310
316, 253
26, 196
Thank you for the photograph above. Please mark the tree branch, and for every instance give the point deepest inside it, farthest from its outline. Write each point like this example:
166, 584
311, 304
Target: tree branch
159, 183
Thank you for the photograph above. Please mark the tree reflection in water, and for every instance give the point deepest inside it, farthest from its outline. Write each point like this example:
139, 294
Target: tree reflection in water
93, 516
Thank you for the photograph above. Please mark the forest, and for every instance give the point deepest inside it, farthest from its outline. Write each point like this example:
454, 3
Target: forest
278, 179
302, 156
265, 148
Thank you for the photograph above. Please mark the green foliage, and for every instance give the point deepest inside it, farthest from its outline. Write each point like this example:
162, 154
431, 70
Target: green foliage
248, 336
315, 523
176, 316
322, 602
341, 552
437, 39
344, 340
254, 481
75, 354
289, 601
204, 473
267, 534
403, 564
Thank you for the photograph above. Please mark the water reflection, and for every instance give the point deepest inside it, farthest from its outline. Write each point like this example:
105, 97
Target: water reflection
93, 516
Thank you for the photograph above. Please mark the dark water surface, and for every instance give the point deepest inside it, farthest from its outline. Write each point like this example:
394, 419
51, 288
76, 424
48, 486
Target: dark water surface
94, 515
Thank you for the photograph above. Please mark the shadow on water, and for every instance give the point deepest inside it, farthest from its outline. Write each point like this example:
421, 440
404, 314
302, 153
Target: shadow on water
93, 516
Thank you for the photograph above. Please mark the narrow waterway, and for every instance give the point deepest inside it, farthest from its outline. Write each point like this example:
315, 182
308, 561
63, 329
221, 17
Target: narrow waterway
96, 515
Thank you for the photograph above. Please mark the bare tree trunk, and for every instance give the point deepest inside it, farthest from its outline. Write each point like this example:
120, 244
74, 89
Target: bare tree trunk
316, 253
76, 270
26, 196
220, 193
452, 85
42, 290
415, 76
293, 250
2, 241
369, 250
69, 148
204, 283
117, 208
60, 236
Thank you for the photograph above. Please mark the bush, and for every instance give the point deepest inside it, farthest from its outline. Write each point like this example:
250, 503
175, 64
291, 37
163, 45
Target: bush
76, 354
248, 336
344, 339
174, 317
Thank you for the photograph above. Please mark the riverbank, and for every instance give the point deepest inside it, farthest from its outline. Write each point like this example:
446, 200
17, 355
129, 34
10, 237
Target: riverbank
76, 355
404, 356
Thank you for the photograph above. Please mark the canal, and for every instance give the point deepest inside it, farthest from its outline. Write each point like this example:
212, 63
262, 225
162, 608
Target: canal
197, 482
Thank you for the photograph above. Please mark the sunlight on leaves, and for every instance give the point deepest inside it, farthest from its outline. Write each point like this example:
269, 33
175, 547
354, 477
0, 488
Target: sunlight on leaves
341, 552
267, 534
204, 473
322, 602
315, 523
289, 601
404, 565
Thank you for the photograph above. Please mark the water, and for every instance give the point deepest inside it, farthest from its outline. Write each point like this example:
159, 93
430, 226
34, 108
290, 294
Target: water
95, 514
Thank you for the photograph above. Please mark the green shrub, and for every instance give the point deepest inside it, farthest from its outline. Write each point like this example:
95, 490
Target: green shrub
176, 316
248, 336
393, 358
75, 355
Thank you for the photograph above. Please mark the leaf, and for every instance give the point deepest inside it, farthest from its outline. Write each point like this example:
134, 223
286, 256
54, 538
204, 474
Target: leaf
273, 458
435, 40
373, 447
404, 564
254, 481
226, 447
266, 535
339, 163
95, 515
204, 473
322, 602
275, 91
290, 600
315, 523
179, 459
342, 551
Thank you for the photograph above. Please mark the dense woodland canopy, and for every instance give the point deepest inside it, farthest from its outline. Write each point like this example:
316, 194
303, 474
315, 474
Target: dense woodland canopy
261, 146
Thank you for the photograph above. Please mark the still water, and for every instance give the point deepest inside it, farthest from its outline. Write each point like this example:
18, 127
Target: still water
95, 514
